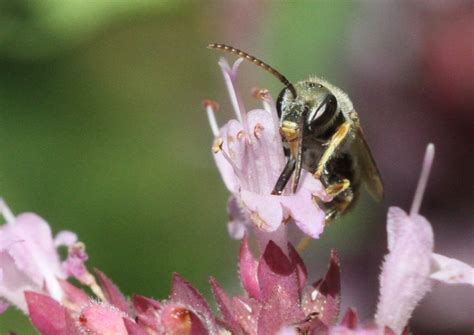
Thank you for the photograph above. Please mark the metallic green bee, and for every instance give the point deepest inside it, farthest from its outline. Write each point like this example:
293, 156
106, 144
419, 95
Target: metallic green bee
321, 133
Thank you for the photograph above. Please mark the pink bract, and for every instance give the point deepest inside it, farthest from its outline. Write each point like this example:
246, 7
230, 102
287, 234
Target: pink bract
277, 297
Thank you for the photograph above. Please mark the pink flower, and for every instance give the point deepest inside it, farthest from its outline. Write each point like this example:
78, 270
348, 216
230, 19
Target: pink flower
450, 270
28, 257
277, 299
184, 313
249, 155
410, 266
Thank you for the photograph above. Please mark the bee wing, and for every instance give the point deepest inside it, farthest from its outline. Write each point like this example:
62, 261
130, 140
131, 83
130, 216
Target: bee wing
369, 172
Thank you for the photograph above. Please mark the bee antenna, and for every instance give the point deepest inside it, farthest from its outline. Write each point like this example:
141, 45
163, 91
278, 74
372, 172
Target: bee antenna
256, 61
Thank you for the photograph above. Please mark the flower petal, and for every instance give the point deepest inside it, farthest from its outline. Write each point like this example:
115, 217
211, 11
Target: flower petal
238, 218
266, 211
65, 238
395, 219
30, 244
14, 282
230, 75
451, 271
269, 151
3, 304
235, 149
74, 265
406, 268
307, 215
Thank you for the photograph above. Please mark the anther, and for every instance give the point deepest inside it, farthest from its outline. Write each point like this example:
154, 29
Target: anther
211, 103
260, 93
211, 107
257, 131
217, 145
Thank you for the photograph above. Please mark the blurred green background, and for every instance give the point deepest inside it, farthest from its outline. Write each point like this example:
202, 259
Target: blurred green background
102, 130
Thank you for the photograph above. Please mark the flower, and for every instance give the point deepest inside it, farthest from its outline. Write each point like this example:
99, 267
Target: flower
184, 313
28, 257
277, 299
410, 266
33, 278
249, 155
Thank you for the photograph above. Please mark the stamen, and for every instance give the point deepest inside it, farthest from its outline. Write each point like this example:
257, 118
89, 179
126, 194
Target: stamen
263, 173
425, 172
269, 106
260, 93
230, 78
6, 212
212, 107
217, 147
264, 95
242, 136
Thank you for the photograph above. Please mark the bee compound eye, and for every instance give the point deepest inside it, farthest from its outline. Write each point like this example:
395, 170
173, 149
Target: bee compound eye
324, 112
279, 102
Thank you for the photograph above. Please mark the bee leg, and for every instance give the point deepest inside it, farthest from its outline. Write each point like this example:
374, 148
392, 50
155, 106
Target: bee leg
336, 140
330, 216
342, 199
329, 209
337, 188
284, 177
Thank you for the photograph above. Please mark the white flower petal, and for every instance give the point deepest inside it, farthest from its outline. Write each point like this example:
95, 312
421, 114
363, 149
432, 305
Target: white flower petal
28, 259
266, 211
451, 271
404, 280
65, 238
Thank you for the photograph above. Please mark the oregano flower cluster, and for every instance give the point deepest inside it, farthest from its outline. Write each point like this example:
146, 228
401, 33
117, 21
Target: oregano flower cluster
277, 297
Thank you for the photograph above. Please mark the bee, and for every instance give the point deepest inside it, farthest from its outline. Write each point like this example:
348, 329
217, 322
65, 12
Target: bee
321, 133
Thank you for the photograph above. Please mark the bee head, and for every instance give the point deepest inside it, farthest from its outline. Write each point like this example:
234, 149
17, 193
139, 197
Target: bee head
313, 108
